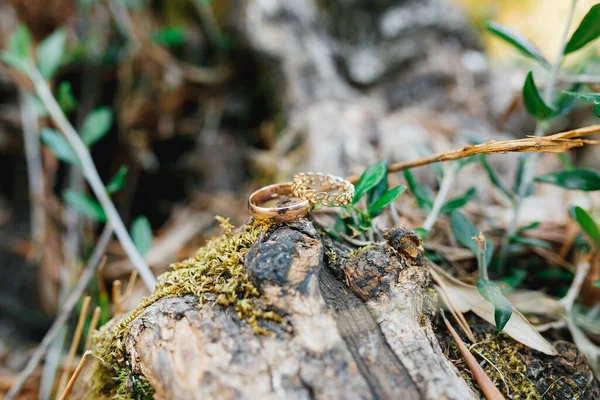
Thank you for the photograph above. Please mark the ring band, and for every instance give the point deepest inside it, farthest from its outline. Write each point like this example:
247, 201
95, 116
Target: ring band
277, 214
301, 187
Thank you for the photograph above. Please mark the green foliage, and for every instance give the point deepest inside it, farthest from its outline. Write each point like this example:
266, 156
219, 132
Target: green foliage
59, 146
592, 98
517, 41
386, 199
374, 194
19, 43
566, 101
169, 36
587, 31
85, 205
494, 178
464, 231
118, 181
587, 224
577, 179
533, 101
490, 291
423, 193
141, 234
369, 179
529, 241
50, 53
459, 202
96, 125
65, 97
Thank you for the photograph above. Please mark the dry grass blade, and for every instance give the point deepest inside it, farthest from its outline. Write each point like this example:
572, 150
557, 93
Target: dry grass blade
92, 327
116, 297
467, 298
557, 143
74, 343
75, 375
488, 388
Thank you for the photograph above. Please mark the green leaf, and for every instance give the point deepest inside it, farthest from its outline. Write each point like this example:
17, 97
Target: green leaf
515, 278
369, 179
597, 110
576, 179
134, 4
593, 98
14, 61
597, 283
169, 36
117, 181
530, 226
424, 194
19, 43
490, 291
587, 224
587, 31
388, 198
523, 159
375, 193
65, 97
533, 101
141, 234
566, 101
517, 40
495, 178
464, 231
59, 146
85, 205
529, 241
422, 232
459, 202
50, 53
96, 125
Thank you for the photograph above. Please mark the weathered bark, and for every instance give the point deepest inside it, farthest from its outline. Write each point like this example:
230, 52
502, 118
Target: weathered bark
331, 345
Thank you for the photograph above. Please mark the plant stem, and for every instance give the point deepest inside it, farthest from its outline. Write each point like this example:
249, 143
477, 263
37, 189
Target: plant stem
441, 196
91, 175
531, 159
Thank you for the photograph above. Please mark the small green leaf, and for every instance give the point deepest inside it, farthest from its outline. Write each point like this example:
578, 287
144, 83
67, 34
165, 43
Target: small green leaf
529, 241
530, 226
388, 198
587, 224
597, 110
96, 125
85, 205
374, 194
19, 43
424, 194
597, 283
422, 232
464, 231
490, 291
14, 61
65, 97
587, 31
117, 181
141, 234
517, 40
134, 4
533, 101
59, 146
523, 160
576, 179
495, 178
50, 53
566, 101
515, 278
459, 202
593, 98
369, 179
169, 36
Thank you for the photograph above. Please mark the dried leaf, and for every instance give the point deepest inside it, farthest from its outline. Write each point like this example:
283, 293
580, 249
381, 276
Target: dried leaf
466, 298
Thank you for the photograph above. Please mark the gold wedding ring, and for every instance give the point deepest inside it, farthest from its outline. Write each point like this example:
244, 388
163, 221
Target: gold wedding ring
278, 191
337, 191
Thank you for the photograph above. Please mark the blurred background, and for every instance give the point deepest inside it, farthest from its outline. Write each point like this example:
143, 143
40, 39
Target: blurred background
205, 101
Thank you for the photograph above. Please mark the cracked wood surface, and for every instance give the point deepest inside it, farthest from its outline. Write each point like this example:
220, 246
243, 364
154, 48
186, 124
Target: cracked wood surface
354, 329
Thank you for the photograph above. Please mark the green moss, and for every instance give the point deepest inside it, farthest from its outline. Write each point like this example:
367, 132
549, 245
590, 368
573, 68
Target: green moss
218, 269
501, 363
359, 251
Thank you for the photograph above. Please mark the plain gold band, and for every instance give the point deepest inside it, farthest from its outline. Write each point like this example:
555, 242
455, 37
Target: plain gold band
277, 214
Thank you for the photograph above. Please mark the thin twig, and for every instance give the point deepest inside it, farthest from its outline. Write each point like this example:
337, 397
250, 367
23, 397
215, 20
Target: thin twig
92, 327
91, 174
583, 268
116, 297
65, 312
583, 78
557, 143
35, 174
74, 344
75, 375
488, 388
